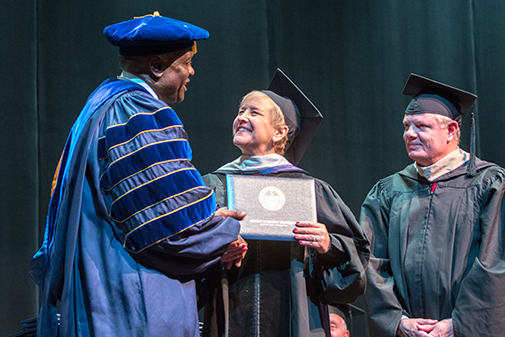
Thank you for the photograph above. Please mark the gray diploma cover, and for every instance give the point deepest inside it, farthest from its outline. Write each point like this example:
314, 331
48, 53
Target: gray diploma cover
273, 205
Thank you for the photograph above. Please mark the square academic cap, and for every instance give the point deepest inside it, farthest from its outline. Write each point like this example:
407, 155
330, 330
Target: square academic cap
310, 117
153, 34
425, 92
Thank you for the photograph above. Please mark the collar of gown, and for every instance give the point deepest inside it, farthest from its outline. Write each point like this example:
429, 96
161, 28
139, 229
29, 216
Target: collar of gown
445, 165
135, 79
253, 163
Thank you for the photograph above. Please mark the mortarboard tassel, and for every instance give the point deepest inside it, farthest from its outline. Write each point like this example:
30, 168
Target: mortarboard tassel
471, 170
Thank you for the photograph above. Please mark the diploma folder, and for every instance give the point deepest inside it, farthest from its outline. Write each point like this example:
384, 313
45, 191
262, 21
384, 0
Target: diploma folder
273, 205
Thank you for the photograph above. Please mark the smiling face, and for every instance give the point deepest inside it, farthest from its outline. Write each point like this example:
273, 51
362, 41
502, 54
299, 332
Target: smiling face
171, 83
253, 132
426, 141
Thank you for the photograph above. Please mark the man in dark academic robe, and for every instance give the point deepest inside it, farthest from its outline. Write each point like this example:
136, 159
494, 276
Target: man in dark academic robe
436, 229
130, 221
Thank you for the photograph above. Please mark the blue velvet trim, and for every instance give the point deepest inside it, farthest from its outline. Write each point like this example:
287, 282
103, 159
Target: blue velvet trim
170, 224
154, 192
105, 91
140, 140
139, 123
143, 159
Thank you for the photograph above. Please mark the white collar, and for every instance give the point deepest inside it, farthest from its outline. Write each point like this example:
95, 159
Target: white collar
445, 165
135, 79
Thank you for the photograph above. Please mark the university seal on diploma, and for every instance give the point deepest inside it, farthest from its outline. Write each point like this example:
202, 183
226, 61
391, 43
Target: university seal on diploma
273, 205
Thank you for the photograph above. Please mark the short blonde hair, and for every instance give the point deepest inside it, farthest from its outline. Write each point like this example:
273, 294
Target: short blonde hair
276, 117
443, 122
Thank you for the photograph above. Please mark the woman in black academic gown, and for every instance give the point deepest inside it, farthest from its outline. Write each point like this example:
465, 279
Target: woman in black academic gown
282, 288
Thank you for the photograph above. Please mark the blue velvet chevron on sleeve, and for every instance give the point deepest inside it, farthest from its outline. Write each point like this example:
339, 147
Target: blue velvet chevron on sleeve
154, 191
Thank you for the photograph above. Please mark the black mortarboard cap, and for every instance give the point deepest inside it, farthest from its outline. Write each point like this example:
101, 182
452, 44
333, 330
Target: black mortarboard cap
307, 119
453, 101
338, 309
430, 96
153, 34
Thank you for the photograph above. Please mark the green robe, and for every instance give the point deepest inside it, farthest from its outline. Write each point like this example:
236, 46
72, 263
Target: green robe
437, 250
279, 291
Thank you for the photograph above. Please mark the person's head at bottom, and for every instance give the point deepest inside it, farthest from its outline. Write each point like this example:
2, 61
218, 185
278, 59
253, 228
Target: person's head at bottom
338, 326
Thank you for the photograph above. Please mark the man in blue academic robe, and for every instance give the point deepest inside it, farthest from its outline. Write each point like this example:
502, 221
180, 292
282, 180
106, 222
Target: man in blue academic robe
130, 221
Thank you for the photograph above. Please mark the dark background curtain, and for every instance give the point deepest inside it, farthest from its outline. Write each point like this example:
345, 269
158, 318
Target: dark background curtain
350, 57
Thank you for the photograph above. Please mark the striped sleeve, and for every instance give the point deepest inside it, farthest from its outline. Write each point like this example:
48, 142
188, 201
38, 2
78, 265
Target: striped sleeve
154, 190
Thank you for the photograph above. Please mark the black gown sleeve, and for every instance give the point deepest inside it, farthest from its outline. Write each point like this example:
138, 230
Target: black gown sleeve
479, 309
384, 309
341, 271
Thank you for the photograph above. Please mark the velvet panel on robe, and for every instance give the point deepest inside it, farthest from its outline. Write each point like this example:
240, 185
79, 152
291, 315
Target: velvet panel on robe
437, 250
279, 290
105, 279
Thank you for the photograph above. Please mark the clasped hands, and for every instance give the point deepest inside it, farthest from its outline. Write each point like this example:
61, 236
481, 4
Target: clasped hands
238, 248
416, 327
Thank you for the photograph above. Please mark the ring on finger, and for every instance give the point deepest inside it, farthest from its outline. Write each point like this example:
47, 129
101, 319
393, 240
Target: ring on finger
313, 239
